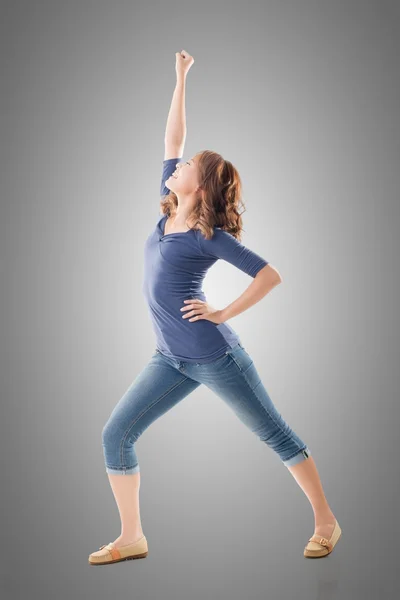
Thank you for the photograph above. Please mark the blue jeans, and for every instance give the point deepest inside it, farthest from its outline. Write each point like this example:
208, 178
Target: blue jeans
165, 381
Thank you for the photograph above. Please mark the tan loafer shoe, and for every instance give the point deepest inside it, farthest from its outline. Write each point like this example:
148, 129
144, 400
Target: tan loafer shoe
110, 554
319, 546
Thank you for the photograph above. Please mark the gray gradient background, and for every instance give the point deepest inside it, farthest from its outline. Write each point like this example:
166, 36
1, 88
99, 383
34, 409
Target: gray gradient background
303, 97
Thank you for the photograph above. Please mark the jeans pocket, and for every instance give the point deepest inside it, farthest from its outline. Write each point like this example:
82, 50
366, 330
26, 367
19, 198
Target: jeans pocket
241, 357
217, 364
247, 369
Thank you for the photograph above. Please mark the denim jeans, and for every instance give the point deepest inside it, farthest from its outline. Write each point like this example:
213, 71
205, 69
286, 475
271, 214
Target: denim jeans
165, 381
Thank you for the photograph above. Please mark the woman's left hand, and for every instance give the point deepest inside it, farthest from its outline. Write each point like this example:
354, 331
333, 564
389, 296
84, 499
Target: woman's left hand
198, 309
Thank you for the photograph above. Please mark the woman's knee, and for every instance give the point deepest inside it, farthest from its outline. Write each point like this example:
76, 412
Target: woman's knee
112, 435
118, 449
116, 435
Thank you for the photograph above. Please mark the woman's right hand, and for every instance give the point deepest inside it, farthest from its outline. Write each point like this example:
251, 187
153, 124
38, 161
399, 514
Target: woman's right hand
183, 63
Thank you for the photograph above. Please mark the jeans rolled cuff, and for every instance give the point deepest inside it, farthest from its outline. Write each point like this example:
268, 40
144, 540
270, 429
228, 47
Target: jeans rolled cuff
123, 470
297, 458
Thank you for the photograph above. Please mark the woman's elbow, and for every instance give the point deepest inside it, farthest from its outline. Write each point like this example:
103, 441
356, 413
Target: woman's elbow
271, 273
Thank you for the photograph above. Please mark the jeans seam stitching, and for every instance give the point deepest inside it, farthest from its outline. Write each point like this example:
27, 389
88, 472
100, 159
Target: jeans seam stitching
244, 371
143, 413
120, 468
266, 409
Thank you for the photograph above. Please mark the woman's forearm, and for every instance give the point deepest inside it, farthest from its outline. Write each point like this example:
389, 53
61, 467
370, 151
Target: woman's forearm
176, 123
265, 280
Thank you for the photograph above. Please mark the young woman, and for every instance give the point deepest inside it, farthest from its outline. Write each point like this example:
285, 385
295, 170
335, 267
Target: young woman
195, 345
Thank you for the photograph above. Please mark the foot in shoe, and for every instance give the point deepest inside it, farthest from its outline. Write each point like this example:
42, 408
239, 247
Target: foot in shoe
124, 540
325, 530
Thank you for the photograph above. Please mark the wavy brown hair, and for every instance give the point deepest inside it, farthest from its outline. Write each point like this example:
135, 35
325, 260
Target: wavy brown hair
219, 198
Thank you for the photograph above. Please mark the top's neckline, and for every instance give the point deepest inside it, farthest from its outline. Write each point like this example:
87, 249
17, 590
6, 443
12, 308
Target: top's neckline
162, 228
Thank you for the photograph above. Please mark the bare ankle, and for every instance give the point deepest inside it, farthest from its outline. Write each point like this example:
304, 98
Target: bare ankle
322, 517
131, 536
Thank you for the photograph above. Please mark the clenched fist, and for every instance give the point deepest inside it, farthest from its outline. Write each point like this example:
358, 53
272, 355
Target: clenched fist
183, 63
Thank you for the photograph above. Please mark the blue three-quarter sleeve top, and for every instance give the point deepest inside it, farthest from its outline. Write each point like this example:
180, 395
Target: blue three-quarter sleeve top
175, 265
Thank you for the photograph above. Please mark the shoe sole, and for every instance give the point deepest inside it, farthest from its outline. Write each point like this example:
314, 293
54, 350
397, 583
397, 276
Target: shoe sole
110, 562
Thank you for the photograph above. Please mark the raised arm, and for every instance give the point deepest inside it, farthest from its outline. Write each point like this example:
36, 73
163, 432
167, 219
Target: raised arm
175, 133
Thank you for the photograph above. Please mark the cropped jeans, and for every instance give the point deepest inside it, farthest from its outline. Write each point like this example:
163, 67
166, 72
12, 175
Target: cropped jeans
165, 381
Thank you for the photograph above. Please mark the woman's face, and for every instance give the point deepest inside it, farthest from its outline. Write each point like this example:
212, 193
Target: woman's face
184, 180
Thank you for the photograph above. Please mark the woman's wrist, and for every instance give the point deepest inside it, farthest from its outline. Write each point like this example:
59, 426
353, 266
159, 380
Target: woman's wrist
225, 314
181, 79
